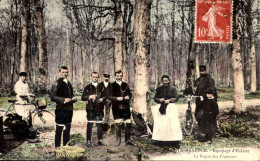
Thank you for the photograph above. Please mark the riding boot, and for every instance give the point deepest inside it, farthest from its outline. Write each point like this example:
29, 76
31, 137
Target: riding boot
58, 134
209, 138
107, 108
118, 134
89, 133
66, 134
100, 134
127, 133
30, 119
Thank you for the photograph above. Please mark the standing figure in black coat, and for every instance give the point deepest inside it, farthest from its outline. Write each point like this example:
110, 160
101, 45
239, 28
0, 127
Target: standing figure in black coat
62, 94
121, 96
206, 106
105, 88
94, 109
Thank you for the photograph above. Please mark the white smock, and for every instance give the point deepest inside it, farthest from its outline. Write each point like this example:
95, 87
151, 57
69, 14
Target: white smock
166, 127
21, 107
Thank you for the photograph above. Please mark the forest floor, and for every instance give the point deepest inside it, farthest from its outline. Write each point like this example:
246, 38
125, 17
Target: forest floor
224, 147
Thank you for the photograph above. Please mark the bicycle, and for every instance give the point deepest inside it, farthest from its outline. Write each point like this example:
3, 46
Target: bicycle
188, 123
41, 119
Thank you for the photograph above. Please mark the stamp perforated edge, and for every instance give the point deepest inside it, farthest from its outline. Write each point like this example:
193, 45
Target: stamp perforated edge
214, 42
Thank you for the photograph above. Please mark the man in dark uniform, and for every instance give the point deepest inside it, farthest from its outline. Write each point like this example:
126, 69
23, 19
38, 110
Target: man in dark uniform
206, 105
121, 95
94, 109
62, 94
105, 88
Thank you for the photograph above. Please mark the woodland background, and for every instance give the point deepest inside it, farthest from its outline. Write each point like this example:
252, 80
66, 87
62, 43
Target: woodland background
145, 39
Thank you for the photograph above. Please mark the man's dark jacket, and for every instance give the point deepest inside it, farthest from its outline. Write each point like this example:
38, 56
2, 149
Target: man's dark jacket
120, 91
206, 110
205, 85
105, 92
90, 89
61, 90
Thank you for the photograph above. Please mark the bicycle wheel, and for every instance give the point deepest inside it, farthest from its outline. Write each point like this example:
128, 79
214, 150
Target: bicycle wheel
43, 121
188, 122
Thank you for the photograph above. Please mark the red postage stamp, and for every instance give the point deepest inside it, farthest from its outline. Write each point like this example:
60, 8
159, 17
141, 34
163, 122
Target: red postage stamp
213, 21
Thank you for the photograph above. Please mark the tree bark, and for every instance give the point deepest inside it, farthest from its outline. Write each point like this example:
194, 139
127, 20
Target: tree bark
190, 73
118, 57
252, 66
158, 56
252, 53
126, 23
239, 96
197, 63
42, 47
173, 44
25, 38
69, 57
84, 66
142, 98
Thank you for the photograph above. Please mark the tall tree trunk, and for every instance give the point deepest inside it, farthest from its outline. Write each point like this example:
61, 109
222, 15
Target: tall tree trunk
252, 54
173, 45
118, 57
197, 62
102, 63
128, 7
190, 74
158, 56
252, 66
25, 38
124, 43
142, 31
84, 66
42, 47
69, 57
239, 96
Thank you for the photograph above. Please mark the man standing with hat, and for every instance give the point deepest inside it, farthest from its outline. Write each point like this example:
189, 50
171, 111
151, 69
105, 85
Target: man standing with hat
206, 105
106, 88
23, 96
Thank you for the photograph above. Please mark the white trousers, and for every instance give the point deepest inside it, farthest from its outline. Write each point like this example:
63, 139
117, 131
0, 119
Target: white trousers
166, 127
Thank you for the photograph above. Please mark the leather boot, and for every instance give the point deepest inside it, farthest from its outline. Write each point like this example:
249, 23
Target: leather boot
89, 133
58, 134
30, 119
127, 133
107, 108
118, 134
66, 134
100, 134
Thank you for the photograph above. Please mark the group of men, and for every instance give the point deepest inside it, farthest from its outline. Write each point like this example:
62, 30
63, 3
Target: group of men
102, 96
98, 96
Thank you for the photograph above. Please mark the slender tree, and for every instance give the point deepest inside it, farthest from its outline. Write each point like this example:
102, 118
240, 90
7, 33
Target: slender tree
252, 51
118, 57
128, 11
42, 47
25, 23
69, 57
